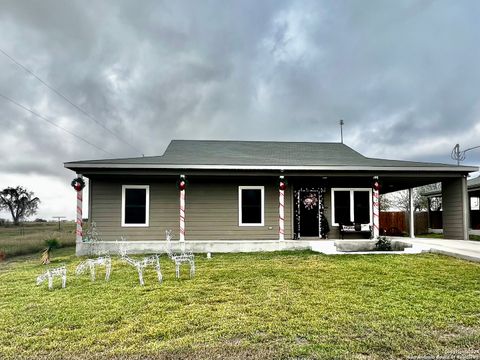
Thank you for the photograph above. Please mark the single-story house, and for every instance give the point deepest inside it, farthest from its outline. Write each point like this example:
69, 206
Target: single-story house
255, 192
435, 212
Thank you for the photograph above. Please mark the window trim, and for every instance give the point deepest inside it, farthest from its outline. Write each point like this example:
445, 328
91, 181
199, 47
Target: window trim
262, 197
147, 205
352, 207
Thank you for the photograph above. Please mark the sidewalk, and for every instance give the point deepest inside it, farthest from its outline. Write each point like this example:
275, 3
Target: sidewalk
463, 249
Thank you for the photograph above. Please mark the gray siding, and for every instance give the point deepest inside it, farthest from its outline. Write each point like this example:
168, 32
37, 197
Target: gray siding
454, 209
211, 211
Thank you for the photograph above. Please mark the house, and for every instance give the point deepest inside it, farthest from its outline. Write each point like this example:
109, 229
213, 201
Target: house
247, 195
435, 213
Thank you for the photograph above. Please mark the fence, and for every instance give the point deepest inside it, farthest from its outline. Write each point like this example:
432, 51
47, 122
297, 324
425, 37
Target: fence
397, 223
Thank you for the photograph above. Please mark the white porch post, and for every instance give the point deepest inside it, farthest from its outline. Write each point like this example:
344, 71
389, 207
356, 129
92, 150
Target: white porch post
281, 209
79, 230
412, 213
181, 186
376, 207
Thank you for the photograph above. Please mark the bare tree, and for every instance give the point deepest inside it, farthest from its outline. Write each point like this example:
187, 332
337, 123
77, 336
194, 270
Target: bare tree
385, 202
20, 202
401, 201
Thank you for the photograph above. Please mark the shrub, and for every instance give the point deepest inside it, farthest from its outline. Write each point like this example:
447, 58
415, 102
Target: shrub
52, 243
383, 244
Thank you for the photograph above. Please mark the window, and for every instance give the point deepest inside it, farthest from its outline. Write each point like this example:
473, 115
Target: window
250, 205
135, 205
474, 203
351, 205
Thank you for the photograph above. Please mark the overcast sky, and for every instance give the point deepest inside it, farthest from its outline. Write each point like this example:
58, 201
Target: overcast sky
404, 75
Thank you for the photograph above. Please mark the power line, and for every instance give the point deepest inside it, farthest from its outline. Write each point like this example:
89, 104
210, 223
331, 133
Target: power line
54, 124
67, 99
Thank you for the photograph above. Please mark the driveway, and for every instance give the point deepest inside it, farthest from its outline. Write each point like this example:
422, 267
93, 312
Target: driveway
463, 249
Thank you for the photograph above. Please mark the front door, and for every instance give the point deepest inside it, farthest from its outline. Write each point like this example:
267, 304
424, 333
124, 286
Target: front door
309, 202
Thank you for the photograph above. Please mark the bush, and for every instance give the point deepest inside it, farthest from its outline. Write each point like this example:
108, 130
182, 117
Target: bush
39, 220
383, 244
52, 243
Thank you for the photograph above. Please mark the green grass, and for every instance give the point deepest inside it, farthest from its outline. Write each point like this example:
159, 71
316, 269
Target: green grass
30, 237
263, 305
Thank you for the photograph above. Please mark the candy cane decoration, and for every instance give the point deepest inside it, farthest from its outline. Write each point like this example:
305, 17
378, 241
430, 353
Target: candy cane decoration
79, 230
181, 186
78, 185
376, 207
281, 209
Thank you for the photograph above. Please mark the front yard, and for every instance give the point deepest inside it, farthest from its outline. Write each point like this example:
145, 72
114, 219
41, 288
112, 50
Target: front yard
264, 305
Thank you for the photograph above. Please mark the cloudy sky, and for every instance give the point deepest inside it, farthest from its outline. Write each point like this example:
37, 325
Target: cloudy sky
404, 75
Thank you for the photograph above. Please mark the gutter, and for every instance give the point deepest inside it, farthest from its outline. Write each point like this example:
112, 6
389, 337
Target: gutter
452, 168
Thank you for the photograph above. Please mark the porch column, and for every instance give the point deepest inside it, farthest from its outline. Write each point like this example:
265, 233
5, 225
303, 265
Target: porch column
182, 184
376, 207
281, 208
79, 229
412, 213
455, 208
429, 212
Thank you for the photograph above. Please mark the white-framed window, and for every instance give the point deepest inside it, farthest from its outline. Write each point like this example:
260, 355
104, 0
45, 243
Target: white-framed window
351, 205
251, 205
135, 205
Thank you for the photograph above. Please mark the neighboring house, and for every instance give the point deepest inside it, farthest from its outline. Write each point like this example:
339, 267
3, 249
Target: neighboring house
435, 218
232, 191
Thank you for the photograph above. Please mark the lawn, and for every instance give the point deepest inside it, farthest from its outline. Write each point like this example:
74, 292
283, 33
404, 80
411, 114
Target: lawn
262, 305
30, 237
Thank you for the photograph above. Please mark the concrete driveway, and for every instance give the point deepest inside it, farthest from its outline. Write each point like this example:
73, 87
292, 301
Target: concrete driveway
463, 249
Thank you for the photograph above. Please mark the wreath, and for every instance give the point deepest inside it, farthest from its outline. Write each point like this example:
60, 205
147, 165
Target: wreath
282, 183
182, 183
78, 184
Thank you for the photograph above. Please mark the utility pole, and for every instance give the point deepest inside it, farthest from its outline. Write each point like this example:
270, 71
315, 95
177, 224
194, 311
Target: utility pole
59, 220
341, 131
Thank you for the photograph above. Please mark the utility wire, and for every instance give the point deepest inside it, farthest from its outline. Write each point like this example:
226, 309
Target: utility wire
67, 99
54, 124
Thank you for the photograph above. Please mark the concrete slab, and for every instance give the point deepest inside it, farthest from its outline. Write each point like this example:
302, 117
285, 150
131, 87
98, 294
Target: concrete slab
463, 249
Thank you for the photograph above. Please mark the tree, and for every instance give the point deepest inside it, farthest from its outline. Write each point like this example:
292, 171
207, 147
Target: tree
401, 201
20, 202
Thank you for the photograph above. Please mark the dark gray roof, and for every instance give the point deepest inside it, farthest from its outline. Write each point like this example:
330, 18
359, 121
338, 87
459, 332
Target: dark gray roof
259, 154
474, 183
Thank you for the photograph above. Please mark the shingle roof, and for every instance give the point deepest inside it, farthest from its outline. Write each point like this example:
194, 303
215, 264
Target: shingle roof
208, 153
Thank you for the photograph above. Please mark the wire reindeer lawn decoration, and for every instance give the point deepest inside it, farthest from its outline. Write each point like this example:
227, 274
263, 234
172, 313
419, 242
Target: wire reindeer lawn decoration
50, 274
140, 265
90, 264
179, 259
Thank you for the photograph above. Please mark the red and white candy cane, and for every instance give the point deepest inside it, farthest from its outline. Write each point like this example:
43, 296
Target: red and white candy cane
79, 230
376, 207
181, 187
281, 209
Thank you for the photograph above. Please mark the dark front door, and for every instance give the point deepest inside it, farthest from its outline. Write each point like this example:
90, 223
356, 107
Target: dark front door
309, 201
